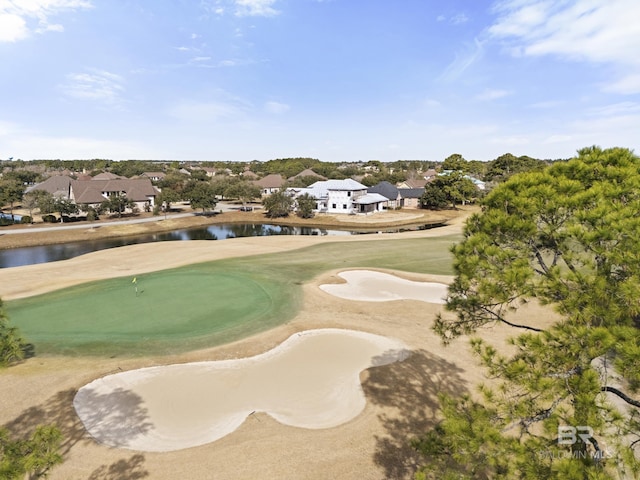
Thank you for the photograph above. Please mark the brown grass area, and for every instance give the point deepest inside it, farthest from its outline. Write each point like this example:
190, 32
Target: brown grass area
401, 397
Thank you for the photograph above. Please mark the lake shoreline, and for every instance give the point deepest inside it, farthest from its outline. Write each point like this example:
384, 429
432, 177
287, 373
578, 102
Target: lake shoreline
384, 221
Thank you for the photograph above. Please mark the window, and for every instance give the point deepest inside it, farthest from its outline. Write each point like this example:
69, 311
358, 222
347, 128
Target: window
348, 194
333, 205
344, 206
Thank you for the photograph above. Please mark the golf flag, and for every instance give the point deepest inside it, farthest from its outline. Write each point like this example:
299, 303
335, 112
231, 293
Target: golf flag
135, 280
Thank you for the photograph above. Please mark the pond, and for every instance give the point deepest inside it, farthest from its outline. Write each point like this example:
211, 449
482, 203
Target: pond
16, 257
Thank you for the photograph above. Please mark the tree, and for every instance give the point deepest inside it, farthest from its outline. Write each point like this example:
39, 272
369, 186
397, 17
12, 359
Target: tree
448, 191
306, 205
507, 165
11, 191
243, 191
175, 182
434, 197
30, 458
45, 201
202, 195
167, 196
65, 206
455, 162
12, 345
568, 238
118, 204
278, 204
33, 200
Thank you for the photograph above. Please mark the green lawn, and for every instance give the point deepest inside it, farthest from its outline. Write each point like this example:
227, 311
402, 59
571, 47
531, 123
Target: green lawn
204, 304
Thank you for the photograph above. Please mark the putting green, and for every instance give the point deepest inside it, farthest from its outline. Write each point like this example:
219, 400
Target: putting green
173, 310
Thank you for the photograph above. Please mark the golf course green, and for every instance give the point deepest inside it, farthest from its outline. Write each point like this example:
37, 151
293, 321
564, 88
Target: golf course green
204, 304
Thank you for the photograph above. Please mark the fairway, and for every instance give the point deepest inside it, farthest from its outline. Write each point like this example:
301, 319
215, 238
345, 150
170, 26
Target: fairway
205, 304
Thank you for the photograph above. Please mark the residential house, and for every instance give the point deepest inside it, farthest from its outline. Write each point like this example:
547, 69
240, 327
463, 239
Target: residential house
307, 173
154, 176
342, 196
412, 183
270, 184
390, 192
411, 197
92, 192
419, 182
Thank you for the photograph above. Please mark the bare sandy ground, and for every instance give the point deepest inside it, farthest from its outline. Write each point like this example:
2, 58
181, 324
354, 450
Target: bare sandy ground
401, 397
311, 380
371, 286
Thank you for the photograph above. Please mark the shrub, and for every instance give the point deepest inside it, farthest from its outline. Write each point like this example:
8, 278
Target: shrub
26, 219
49, 219
92, 215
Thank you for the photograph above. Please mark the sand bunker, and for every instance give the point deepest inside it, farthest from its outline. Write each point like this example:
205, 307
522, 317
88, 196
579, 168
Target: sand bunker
372, 286
311, 380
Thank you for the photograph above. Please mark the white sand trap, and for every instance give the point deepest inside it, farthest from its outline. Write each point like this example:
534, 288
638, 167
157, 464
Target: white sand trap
372, 286
311, 380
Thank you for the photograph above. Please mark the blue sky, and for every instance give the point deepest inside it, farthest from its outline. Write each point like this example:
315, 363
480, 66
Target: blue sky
337, 80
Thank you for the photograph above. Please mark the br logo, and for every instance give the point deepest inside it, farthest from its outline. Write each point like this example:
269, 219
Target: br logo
568, 435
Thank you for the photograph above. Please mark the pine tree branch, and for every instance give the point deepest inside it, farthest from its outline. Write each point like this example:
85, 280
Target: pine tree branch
498, 318
516, 325
621, 394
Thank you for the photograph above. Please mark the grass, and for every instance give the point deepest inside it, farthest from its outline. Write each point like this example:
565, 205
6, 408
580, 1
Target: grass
204, 304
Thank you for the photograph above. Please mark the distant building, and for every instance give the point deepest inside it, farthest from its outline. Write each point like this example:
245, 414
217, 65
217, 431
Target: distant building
154, 176
90, 193
342, 196
390, 192
270, 184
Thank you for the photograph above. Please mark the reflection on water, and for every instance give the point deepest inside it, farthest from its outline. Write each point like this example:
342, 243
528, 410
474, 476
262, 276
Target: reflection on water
50, 253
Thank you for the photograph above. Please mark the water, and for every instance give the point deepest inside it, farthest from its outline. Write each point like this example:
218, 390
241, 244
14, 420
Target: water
16, 257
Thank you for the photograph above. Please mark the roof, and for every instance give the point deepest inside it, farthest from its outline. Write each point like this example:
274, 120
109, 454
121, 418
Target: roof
274, 180
307, 172
386, 189
154, 174
342, 185
90, 191
411, 192
106, 176
415, 182
57, 185
370, 198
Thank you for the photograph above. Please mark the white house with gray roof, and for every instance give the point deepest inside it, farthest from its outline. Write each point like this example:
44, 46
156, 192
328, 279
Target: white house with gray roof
342, 196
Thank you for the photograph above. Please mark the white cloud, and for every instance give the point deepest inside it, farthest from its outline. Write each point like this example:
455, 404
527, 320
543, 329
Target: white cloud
12, 27
223, 106
616, 109
276, 107
463, 61
29, 144
598, 31
96, 85
459, 19
19, 17
456, 19
431, 103
626, 85
492, 94
255, 8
